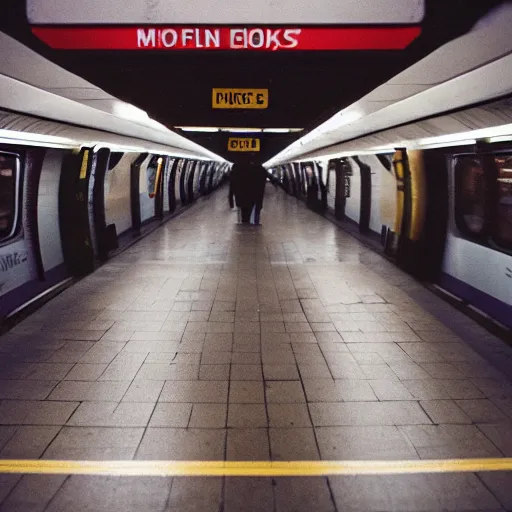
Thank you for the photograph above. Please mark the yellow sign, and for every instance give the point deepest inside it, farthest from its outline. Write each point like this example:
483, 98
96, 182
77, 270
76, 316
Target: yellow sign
243, 144
240, 98
83, 168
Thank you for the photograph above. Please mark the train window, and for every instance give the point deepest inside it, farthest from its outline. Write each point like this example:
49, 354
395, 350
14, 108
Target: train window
114, 159
470, 196
153, 175
502, 226
9, 192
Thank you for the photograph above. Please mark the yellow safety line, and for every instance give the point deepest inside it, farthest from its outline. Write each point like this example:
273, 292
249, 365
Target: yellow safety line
250, 468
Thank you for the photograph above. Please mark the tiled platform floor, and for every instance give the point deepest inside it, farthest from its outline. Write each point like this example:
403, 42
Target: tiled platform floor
291, 341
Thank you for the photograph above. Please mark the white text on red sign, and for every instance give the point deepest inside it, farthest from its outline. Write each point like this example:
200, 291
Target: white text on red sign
239, 38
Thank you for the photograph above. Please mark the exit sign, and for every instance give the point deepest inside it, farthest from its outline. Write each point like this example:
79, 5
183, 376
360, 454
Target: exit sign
243, 144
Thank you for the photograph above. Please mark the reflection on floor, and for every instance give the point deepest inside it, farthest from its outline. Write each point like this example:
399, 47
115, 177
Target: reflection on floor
290, 341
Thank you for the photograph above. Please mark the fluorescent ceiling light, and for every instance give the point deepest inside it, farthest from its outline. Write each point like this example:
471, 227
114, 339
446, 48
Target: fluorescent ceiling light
241, 130
282, 130
235, 129
467, 142
197, 128
491, 132
28, 138
501, 138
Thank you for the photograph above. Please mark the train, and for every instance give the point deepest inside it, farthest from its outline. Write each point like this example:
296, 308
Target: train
443, 213
83, 175
64, 210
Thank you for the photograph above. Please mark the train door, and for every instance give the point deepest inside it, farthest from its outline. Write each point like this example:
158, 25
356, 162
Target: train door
74, 215
197, 179
166, 182
331, 186
409, 242
104, 234
177, 182
190, 183
171, 187
387, 196
19, 250
149, 172
365, 194
323, 177
117, 191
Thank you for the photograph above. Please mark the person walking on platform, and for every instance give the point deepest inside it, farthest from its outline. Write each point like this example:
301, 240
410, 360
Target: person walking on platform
241, 187
249, 188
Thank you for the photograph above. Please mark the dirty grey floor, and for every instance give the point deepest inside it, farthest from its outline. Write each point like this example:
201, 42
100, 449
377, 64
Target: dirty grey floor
290, 341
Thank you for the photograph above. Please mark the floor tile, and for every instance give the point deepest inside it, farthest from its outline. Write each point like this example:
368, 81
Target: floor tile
246, 392
171, 415
293, 444
412, 493
29, 442
445, 411
104, 494
195, 392
246, 372
248, 494
450, 441
288, 415
500, 435
367, 413
248, 444
247, 416
194, 494
111, 414
33, 492
284, 392
182, 444
364, 443
280, 372
208, 416
214, 372
482, 411
302, 495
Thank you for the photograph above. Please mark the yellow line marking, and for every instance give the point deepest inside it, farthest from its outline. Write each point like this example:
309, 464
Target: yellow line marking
250, 468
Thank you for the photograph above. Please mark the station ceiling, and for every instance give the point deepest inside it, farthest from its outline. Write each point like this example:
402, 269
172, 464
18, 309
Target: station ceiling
305, 87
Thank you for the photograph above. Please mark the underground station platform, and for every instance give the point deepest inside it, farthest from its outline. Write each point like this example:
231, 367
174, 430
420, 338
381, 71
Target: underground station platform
215, 366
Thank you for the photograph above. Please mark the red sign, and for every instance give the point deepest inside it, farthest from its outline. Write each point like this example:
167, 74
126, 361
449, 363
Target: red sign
227, 38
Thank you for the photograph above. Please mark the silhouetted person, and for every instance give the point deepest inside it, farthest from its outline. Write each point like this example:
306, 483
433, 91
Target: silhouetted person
249, 188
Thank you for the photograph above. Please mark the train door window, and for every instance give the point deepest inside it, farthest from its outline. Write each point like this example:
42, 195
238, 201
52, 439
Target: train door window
471, 194
502, 225
153, 175
9, 194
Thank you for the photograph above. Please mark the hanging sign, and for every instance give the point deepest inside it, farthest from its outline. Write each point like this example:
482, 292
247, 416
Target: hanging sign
225, 12
226, 38
240, 98
243, 144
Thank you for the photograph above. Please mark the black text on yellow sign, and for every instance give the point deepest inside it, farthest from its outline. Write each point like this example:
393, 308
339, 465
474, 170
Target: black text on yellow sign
240, 98
243, 144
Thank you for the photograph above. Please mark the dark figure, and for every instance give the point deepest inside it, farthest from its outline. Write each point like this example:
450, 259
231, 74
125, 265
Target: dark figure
249, 188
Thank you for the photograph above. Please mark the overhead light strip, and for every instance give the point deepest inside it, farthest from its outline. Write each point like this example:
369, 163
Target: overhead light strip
213, 129
34, 139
